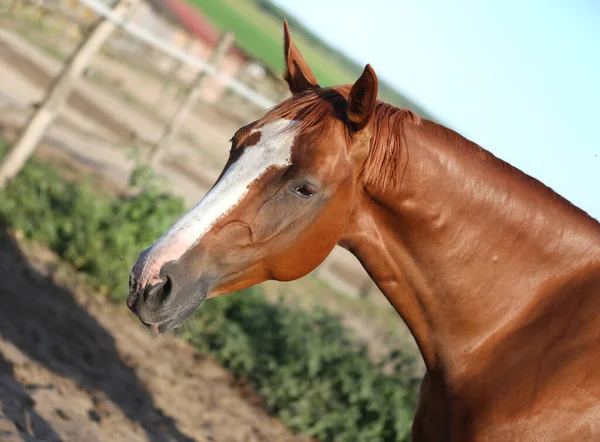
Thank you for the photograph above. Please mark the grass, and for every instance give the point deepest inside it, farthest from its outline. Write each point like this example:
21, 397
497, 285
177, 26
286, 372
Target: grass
262, 35
259, 32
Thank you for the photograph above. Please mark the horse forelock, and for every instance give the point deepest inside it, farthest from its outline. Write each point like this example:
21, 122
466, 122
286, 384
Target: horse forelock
314, 108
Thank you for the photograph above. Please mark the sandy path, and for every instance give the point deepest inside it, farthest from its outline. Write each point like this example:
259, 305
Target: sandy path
74, 367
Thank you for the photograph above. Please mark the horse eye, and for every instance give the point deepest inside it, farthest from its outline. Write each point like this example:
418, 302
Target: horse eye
305, 190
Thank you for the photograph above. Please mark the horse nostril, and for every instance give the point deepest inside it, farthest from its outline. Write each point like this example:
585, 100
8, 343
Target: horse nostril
167, 288
156, 295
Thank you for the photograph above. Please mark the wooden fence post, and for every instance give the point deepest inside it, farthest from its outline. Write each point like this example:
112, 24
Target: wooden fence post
57, 93
171, 129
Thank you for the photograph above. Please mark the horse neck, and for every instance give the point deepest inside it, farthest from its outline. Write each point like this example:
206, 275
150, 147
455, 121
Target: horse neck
464, 245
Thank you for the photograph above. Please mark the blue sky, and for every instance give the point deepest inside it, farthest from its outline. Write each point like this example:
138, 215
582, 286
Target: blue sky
520, 78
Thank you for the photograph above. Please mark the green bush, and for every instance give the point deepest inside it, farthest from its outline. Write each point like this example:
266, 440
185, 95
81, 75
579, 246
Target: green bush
100, 235
310, 371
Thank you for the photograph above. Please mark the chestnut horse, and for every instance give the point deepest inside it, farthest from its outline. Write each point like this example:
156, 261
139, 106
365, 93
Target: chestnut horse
497, 276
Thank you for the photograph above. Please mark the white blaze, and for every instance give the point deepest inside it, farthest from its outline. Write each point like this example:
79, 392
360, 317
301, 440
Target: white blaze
272, 150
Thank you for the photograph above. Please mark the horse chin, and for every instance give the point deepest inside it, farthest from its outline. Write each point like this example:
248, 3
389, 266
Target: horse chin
168, 324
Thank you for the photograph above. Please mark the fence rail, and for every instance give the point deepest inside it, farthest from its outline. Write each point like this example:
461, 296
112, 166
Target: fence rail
161, 45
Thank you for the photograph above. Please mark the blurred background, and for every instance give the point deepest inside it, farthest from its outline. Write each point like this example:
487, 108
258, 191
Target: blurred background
115, 119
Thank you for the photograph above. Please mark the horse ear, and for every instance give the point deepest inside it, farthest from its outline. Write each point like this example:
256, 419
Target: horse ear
297, 73
362, 99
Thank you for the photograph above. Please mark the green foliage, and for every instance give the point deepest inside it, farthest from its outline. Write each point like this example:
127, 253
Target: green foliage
310, 370
99, 235
313, 375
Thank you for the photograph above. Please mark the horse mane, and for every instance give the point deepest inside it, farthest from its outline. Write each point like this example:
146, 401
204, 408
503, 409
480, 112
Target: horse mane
314, 107
387, 158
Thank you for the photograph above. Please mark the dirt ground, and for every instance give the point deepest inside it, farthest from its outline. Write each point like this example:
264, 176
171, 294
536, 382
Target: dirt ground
74, 367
